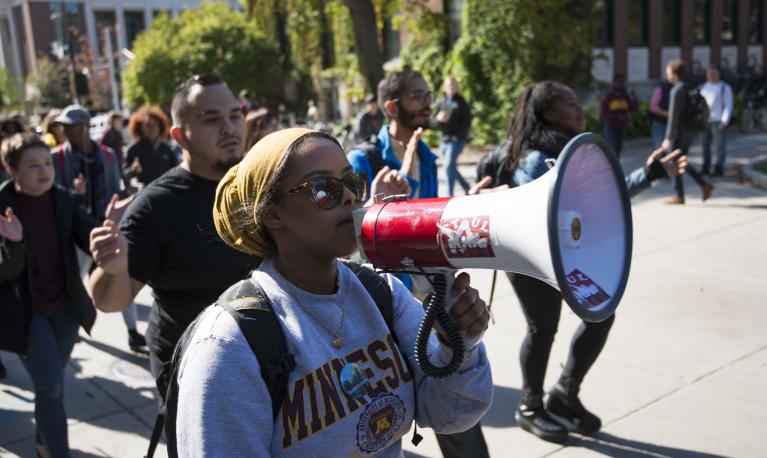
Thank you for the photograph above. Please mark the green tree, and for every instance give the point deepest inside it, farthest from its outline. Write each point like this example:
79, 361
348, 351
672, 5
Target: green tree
212, 39
49, 84
505, 45
11, 92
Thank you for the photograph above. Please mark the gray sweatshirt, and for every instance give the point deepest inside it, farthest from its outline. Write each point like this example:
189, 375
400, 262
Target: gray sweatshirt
224, 408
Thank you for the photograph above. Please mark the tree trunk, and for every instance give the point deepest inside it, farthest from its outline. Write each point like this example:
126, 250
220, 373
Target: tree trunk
366, 40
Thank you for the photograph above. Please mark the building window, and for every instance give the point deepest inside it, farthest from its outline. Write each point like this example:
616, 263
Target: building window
730, 22
638, 23
756, 22
671, 22
454, 10
134, 24
67, 26
105, 19
701, 26
603, 25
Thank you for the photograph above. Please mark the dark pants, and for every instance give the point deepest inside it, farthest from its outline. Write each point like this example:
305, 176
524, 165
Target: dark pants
719, 138
614, 137
684, 143
52, 337
542, 305
468, 444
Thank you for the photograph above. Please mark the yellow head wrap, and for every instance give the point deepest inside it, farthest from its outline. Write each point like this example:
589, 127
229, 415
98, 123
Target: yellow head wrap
241, 190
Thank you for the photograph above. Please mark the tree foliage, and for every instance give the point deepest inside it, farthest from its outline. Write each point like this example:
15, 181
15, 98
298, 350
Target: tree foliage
212, 39
49, 84
505, 45
11, 92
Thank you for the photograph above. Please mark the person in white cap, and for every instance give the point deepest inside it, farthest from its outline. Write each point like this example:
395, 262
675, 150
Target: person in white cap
93, 172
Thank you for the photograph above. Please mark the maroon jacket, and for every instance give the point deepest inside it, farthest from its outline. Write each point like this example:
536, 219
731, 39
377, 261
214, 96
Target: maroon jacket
615, 106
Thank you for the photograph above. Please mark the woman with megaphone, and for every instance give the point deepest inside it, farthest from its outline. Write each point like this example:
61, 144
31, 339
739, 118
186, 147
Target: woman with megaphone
346, 384
546, 117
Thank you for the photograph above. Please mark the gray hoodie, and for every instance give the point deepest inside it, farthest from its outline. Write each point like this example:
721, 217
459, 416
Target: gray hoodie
224, 408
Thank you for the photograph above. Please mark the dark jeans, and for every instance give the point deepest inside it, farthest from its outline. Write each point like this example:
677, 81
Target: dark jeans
658, 132
614, 137
684, 143
542, 305
468, 444
52, 337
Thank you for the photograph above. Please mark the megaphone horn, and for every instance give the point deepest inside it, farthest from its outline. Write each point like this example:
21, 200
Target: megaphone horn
570, 228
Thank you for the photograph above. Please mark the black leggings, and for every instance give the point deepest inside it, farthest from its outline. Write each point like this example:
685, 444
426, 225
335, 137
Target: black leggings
542, 305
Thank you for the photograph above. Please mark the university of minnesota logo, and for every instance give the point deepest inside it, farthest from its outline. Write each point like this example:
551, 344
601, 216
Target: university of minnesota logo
380, 421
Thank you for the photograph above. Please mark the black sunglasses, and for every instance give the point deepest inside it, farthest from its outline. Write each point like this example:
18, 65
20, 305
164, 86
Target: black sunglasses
327, 192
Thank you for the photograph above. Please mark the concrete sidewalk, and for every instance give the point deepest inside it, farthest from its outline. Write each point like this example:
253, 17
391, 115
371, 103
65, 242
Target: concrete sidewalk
682, 373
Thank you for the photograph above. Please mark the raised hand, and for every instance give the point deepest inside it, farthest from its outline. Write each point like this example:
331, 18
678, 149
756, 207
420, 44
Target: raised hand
109, 248
136, 166
389, 183
80, 185
10, 226
411, 151
116, 208
674, 163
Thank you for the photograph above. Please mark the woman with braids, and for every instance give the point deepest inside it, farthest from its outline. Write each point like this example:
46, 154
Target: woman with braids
290, 201
547, 115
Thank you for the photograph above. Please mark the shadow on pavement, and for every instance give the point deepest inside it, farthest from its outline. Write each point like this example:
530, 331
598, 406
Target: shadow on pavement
501, 413
614, 446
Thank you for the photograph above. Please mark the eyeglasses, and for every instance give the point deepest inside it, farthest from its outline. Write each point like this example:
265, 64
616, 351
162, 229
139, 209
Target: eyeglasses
421, 97
327, 192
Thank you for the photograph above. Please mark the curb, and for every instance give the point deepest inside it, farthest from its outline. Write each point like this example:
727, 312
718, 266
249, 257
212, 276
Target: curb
756, 177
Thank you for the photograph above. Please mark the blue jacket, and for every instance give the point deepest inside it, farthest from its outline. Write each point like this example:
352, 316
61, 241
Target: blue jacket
533, 165
426, 187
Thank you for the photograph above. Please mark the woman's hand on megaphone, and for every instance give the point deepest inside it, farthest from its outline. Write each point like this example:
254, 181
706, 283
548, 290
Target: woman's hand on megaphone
469, 312
389, 183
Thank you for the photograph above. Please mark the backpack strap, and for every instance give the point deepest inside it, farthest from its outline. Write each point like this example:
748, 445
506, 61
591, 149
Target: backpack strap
372, 151
250, 307
60, 154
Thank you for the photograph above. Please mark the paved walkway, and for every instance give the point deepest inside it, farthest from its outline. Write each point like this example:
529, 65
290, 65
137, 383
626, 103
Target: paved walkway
683, 372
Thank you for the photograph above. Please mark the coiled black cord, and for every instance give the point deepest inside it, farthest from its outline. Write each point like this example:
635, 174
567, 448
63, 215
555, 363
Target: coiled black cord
435, 312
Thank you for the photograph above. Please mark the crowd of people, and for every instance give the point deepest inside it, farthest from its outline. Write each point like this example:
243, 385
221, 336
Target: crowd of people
227, 203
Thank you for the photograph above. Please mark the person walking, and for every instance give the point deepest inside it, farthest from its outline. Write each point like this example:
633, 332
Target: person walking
718, 95
614, 111
150, 155
454, 121
678, 135
659, 101
93, 172
43, 301
546, 116
369, 122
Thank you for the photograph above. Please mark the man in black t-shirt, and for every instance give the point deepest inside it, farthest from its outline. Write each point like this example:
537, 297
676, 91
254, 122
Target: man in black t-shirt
167, 238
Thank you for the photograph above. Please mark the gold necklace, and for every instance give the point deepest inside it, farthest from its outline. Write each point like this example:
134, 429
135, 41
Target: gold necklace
337, 341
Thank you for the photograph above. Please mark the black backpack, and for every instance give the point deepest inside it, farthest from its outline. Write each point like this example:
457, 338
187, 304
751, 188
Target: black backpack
694, 116
247, 303
372, 151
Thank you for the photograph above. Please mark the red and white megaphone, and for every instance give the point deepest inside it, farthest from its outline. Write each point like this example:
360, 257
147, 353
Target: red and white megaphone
570, 228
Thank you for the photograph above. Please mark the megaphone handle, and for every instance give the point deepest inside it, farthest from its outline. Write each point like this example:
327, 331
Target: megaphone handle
436, 311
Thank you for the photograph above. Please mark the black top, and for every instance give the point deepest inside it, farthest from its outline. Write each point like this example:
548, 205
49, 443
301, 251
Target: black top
73, 225
50, 286
173, 247
154, 159
458, 123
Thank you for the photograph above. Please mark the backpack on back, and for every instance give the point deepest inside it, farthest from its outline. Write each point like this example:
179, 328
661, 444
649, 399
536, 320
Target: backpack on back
694, 117
372, 151
247, 303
